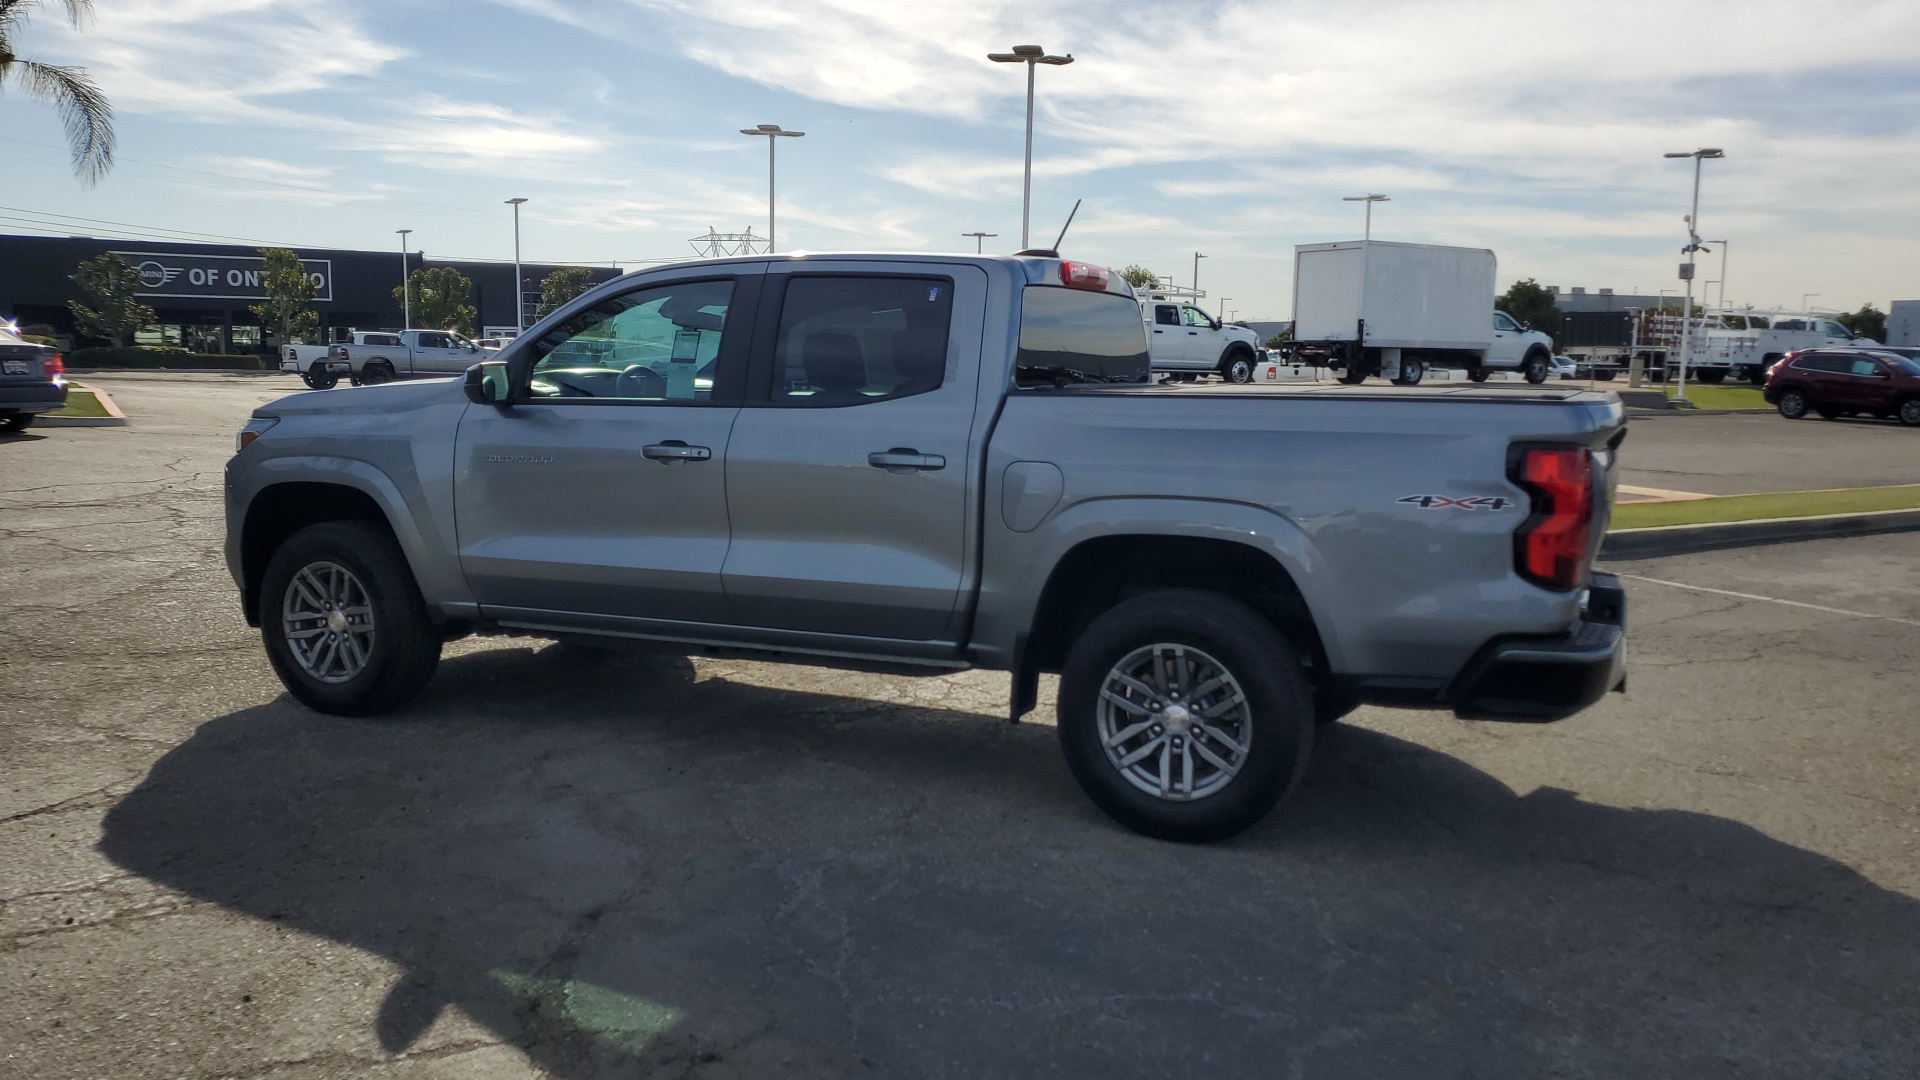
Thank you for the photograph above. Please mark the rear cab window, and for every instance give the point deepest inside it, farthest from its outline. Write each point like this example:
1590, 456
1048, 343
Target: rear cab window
1074, 336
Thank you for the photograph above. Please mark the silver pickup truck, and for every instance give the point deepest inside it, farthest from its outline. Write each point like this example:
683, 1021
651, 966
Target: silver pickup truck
921, 464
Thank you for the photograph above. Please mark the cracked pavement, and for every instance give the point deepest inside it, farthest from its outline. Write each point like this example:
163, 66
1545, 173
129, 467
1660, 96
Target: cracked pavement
567, 863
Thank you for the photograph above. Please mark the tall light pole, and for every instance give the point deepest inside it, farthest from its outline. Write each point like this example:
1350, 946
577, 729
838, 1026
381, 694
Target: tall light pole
1693, 245
1369, 200
519, 286
772, 132
1030, 55
406, 290
1196, 276
979, 240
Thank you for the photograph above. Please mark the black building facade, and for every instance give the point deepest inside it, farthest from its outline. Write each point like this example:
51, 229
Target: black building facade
200, 293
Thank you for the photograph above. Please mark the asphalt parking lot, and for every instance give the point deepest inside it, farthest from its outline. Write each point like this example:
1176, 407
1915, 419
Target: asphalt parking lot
574, 864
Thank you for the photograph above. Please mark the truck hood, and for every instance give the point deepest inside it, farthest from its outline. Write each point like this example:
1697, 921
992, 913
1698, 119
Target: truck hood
387, 397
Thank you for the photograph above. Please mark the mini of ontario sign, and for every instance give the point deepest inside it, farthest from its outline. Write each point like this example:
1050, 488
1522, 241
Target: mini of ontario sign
215, 277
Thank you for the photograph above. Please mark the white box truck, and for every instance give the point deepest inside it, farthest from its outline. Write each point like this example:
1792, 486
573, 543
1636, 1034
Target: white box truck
1369, 307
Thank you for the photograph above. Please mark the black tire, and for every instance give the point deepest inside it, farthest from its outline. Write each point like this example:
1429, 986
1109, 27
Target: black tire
1352, 377
1757, 376
1605, 375
404, 646
1536, 367
375, 372
1237, 366
1478, 374
1713, 376
14, 422
1276, 725
1793, 404
318, 377
1411, 372
1910, 412
1827, 414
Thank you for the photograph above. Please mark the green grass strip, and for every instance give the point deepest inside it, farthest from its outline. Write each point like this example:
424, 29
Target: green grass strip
1738, 398
81, 403
1785, 504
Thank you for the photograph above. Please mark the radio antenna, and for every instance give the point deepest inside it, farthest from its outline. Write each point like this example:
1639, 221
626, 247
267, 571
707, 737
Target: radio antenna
1068, 225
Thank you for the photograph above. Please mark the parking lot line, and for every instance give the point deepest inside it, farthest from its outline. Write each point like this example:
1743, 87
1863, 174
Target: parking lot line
1773, 600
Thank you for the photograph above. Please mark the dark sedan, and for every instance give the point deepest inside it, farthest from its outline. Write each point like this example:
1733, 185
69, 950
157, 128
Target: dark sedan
1846, 382
32, 381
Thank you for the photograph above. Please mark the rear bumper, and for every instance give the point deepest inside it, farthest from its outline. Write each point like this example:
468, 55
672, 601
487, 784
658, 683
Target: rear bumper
338, 367
1539, 679
32, 397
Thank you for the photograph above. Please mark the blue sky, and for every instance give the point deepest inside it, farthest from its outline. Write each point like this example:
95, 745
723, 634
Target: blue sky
1231, 128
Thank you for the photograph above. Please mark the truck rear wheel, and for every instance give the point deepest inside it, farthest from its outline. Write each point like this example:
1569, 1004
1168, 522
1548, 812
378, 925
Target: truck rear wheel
1713, 376
376, 372
318, 377
343, 621
1478, 373
1184, 715
1352, 377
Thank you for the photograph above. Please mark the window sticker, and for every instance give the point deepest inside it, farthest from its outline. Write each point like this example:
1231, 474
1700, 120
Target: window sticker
933, 294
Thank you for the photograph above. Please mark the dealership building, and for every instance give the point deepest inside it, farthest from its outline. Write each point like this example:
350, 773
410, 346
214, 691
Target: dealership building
200, 293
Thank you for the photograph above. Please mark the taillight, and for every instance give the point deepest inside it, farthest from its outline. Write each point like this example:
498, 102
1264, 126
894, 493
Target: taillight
1079, 275
1554, 545
56, 365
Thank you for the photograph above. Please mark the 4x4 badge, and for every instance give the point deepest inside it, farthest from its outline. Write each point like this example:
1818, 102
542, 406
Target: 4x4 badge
1442, 502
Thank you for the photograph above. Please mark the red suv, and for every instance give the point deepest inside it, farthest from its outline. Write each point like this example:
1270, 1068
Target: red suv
1843, 382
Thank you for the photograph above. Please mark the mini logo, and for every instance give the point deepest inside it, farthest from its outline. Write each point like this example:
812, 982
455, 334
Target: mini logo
1443, 502
153, 275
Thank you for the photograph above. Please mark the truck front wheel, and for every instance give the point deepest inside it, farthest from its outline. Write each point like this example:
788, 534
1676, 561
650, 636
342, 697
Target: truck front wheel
1411, 372
1184, 715
1537, 366
1237, 367
343, 621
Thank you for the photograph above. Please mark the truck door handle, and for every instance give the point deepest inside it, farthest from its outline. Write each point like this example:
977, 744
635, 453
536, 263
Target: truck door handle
905, 459
666, 453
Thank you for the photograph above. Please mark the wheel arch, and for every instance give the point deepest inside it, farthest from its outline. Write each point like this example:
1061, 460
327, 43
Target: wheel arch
298, 492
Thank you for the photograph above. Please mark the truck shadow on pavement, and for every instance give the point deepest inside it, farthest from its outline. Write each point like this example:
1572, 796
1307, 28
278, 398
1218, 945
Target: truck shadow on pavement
623, 870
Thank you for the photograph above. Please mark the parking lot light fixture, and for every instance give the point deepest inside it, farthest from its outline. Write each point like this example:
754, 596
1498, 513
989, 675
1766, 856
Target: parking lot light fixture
979, 240
772, 132
519, 287
406, 292
1032, 56
1223, 307
1693, 245
1369, 200
1805, 300
1196, 276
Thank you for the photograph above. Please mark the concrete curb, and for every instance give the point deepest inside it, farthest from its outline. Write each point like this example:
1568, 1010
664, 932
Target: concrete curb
1686, 539
114, 417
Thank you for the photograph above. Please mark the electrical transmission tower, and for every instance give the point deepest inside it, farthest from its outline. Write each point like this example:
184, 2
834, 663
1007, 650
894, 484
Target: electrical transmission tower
719, 245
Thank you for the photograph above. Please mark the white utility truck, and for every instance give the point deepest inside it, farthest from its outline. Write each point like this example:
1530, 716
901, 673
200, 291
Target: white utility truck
1186, 341
1369, 307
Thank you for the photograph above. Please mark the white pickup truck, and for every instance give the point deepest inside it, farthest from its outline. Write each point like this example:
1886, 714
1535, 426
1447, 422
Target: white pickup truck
382, 357
1185, 340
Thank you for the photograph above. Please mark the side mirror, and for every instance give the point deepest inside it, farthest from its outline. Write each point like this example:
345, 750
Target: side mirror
488, 383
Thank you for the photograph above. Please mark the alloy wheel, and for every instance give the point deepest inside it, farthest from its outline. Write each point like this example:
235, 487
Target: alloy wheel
1174, 721
326, 618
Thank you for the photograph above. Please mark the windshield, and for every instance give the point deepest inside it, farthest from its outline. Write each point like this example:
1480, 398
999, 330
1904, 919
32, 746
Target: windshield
1904, 364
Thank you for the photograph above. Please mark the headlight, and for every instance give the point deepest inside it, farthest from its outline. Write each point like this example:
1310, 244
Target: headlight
255, 428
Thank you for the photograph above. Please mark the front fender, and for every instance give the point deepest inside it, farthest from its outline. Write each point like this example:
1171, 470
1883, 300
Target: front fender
1017, 565
424, 543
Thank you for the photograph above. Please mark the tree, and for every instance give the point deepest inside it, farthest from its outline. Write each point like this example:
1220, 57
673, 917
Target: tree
1276, 340
442, 299
288, 311
1869, 322
82, 107
110, 282
561, 286
1140, 277
1533, 305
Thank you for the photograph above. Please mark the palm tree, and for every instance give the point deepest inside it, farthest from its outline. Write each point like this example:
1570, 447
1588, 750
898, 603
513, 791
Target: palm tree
83, 108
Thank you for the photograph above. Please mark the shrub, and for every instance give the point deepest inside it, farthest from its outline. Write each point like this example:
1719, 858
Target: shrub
162, 357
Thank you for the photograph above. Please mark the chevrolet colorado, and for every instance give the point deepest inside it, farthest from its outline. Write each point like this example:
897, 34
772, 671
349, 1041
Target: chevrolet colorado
924, 463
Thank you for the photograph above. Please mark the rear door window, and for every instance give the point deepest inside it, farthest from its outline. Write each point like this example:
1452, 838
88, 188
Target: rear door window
1072, 336
854, 339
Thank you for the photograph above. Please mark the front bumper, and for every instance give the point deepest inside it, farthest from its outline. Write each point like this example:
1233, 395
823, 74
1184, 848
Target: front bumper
1540, 679
32, 397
